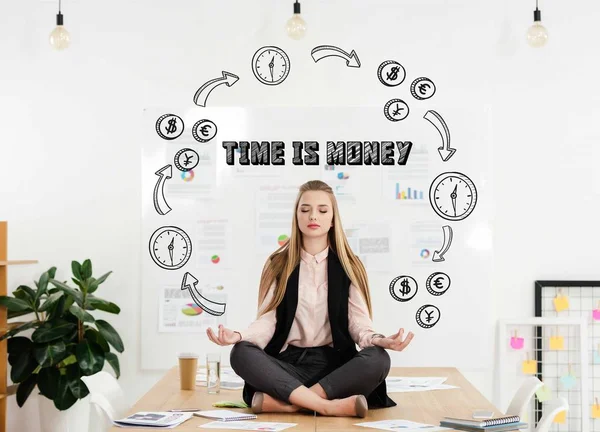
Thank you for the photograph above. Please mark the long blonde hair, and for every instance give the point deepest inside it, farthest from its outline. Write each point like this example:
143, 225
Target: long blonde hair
283, 261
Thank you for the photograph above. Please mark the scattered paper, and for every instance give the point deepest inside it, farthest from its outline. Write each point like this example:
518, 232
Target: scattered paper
229, 379
416, 384
153, 420
246, 425
404, 425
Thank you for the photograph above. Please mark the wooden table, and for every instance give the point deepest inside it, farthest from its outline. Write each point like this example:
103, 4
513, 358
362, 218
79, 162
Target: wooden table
424, 407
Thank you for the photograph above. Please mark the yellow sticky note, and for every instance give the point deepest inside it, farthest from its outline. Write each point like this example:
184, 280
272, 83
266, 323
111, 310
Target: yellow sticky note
561, 417
561, 303
529, 367
596, 411
557, 343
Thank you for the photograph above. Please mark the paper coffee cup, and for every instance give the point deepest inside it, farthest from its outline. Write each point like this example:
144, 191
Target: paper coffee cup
188, 366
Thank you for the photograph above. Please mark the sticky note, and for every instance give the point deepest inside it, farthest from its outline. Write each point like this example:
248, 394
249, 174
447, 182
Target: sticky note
596, 314
529, 367
517, 342
561, 303
568, 381
561, 417
543, 393
596, 411
596, 357
557, 343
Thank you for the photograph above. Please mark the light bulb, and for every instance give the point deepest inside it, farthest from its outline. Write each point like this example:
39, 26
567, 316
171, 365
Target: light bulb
59, 37
537, 35
296, 26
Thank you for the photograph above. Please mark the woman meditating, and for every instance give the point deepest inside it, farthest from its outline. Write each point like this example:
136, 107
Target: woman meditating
315, 307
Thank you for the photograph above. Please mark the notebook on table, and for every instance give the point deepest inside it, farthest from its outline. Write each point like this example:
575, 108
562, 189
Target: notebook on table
483, 423
497, 428
225, 415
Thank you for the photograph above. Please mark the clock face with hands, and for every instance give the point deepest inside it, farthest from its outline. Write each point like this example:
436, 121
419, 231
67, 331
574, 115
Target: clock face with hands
271, 65
453, 196
170, 247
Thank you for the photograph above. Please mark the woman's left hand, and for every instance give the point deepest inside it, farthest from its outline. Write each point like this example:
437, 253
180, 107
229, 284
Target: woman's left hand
394, 342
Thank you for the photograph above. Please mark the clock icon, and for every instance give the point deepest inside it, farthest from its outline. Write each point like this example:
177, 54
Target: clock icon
271, 65
170, 247
453, 195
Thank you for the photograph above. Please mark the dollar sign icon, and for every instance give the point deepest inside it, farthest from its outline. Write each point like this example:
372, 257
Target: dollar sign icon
169, 126
403, 288
393, 75
172, 128
438, 283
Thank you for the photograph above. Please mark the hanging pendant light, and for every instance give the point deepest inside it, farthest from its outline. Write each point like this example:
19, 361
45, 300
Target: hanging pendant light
537, 35
296, 26
59, 37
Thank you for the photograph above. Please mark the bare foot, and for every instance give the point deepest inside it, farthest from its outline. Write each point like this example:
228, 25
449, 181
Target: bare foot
342, 407
270, 404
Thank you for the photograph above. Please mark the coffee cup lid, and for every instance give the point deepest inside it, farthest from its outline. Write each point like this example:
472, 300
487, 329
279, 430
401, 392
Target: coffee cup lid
187, 355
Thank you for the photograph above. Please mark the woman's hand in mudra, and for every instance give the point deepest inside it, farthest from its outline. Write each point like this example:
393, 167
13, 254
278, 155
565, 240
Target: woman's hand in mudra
224, 337
394, 342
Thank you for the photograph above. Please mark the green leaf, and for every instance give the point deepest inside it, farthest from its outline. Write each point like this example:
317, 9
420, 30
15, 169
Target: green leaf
103, 305
50, 354
78, 387
48, 382
25, 389
42, 287
58, 309
110, 334
94, 336
64, 398
76, 282
50, 331
90, 357
97, 282
52, 272
18, 345
18, 314
23, 367
52, 299
81, 314
14, 304
76, 269
68, 361
77, 295
113, 360
19, 329
30, 292
86, 269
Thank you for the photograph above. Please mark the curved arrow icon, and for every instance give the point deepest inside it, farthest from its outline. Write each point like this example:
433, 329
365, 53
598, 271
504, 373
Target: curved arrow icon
323, 51
202, 93
436, 120
160, 202
214, 308
438, 256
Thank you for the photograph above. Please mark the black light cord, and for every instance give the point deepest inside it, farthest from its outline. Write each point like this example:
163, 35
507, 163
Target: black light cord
59, 16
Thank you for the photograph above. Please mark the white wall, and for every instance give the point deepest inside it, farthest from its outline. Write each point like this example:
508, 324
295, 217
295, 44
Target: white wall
70, 151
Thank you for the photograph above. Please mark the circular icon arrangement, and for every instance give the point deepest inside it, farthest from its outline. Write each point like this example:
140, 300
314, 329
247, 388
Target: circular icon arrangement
396, 110
391, 73
422, 88
170, 247
204, 130
186, 159
169, 126
271, 65
428, 316
453, 195
438, 283
403, 288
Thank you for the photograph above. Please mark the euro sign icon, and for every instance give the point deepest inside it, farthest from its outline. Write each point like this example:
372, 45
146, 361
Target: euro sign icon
405, 290
204, 130
438, 283
429, 317
423, 88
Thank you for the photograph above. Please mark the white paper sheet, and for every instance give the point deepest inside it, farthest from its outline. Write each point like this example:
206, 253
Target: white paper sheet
248, 425
404, 425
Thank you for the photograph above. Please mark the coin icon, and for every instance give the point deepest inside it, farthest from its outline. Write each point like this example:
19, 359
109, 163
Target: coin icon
428, 316
391, 73
396, 110
169, 126
186, 159
438, 283
403, 288
204, 130
422, 88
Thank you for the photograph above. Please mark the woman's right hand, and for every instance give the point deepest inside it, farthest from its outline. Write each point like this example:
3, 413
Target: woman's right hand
225, 336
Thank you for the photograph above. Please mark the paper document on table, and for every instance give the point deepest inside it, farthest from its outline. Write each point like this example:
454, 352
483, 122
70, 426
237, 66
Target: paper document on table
413, 384
229, 379
404, 425
246, 425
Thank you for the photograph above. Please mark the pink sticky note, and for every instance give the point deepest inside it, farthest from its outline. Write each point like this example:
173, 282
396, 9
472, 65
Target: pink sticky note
517, 342
596, 314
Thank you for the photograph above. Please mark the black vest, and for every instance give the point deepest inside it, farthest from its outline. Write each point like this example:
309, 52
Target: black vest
337, 300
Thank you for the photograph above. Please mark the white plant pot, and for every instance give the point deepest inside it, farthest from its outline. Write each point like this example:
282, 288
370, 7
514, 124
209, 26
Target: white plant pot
75, 419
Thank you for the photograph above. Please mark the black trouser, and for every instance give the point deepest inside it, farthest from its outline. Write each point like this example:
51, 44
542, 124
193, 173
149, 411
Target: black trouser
280, 376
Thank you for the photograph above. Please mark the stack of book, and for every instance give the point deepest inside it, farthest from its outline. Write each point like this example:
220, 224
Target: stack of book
500, 424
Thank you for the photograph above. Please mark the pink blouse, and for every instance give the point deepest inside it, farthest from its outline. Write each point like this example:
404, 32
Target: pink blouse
311, 323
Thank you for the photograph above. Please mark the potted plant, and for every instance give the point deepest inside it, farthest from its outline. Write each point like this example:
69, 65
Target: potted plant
67, 342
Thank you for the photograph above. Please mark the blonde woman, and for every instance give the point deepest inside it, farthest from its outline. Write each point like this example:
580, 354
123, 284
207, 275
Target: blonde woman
315, 305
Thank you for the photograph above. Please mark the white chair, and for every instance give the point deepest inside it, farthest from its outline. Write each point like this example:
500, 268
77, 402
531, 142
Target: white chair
551, 409
107, 400
520, 401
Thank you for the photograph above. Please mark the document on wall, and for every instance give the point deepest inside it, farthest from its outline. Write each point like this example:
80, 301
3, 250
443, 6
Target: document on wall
404, 425
213, 244
274, 213
371, 242
249, 425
